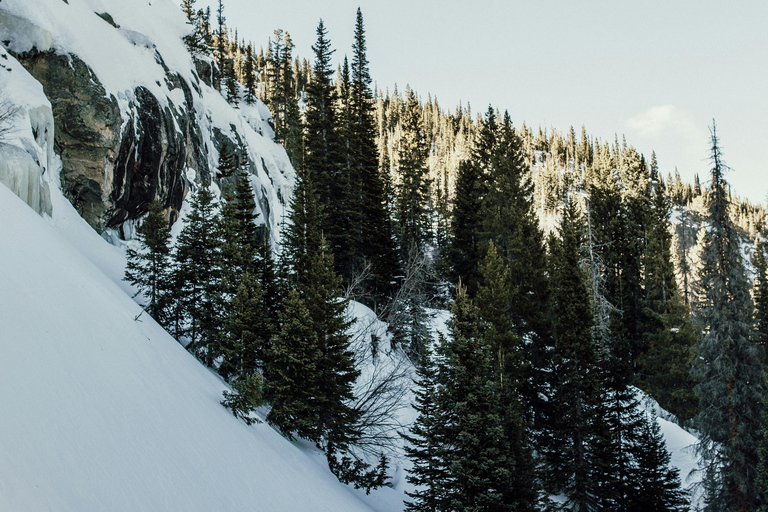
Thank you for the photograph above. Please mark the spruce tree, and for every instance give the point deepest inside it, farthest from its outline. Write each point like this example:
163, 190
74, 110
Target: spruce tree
731, 386
658, 484
149, 268
220, 54
669, 336
464, 248
508, 219
413, 190
426, 443
376, 243
196, 276
760, 295
572, 422
292, 372
489, 463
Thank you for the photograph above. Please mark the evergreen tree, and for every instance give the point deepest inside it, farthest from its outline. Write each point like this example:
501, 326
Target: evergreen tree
196, 276
760, 295
148, 269
658, 484
494, 298
464, 249
731, 385
573, 425
220, 54
249, 70
508, 219
292, 372
489, 468
426, 443
663, 368
413, 216
376, 242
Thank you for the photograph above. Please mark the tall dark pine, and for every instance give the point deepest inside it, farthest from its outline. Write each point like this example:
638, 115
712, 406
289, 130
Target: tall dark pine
292, 373
149, 268
376, 243
760, 294
196, 278
572, 424
464, 250
489, 463
221, 37
413, 215
731, 387
322, 148
509, 220
657, 484
426, 443
669, 336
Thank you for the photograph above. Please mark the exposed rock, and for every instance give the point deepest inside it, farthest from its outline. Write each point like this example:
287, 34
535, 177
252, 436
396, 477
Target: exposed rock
111, 175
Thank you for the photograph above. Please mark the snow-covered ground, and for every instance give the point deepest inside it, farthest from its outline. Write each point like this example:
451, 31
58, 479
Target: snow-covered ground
102, 411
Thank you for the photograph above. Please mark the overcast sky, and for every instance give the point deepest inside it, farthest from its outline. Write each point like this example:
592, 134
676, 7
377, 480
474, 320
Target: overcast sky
656, 71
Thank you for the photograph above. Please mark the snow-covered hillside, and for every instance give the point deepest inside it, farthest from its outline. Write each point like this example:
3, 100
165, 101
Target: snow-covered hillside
102, 411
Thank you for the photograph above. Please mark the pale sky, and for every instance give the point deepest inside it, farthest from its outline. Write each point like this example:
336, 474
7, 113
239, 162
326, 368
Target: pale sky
656, 71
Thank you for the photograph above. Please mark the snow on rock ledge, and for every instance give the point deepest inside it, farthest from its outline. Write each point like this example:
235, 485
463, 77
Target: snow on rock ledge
134, 120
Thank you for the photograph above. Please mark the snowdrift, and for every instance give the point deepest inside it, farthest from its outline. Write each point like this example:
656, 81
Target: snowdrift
105, 411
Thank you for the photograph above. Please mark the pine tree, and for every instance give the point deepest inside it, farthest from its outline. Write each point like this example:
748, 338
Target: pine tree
663, 368
220, 45
196, 276
760, 295
572, 421
249, 70
148, 269
464, 249
426, 443
494, 298
413, 216
728, 366
490, 466
376, 241
292, 372
508, 219
658, 484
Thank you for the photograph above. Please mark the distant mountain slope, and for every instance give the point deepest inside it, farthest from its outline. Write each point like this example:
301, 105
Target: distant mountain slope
104, 412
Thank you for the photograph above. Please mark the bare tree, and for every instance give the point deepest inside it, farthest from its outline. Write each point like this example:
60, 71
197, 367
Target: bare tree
8, 113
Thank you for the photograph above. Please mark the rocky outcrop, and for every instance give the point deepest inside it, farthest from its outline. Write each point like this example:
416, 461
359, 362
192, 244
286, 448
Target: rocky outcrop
115, 163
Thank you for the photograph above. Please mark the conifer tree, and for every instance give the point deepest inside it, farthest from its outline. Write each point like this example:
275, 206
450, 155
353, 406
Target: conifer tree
728, 366
508, 219
494, 298
489, 468
663, 368
658, 484
426, 443
149, 268
249, 70
572, 424
196, 276
221, 36
413, 219
292, 372
464, 249
376, 243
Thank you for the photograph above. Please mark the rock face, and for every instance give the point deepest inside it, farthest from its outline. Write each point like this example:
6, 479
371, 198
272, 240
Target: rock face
114, 167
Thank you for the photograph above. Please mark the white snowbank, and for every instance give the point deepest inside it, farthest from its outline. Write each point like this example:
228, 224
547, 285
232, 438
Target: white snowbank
104, 412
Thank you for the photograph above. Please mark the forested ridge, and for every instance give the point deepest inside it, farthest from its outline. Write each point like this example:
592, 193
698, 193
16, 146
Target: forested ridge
575, 269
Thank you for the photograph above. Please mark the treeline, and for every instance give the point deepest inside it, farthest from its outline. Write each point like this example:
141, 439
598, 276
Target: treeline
567, 282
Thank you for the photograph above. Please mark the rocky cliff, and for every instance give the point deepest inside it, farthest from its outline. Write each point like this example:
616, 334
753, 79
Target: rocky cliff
133, 121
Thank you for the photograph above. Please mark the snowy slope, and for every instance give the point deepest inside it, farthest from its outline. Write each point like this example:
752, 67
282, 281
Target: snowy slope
102, 412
